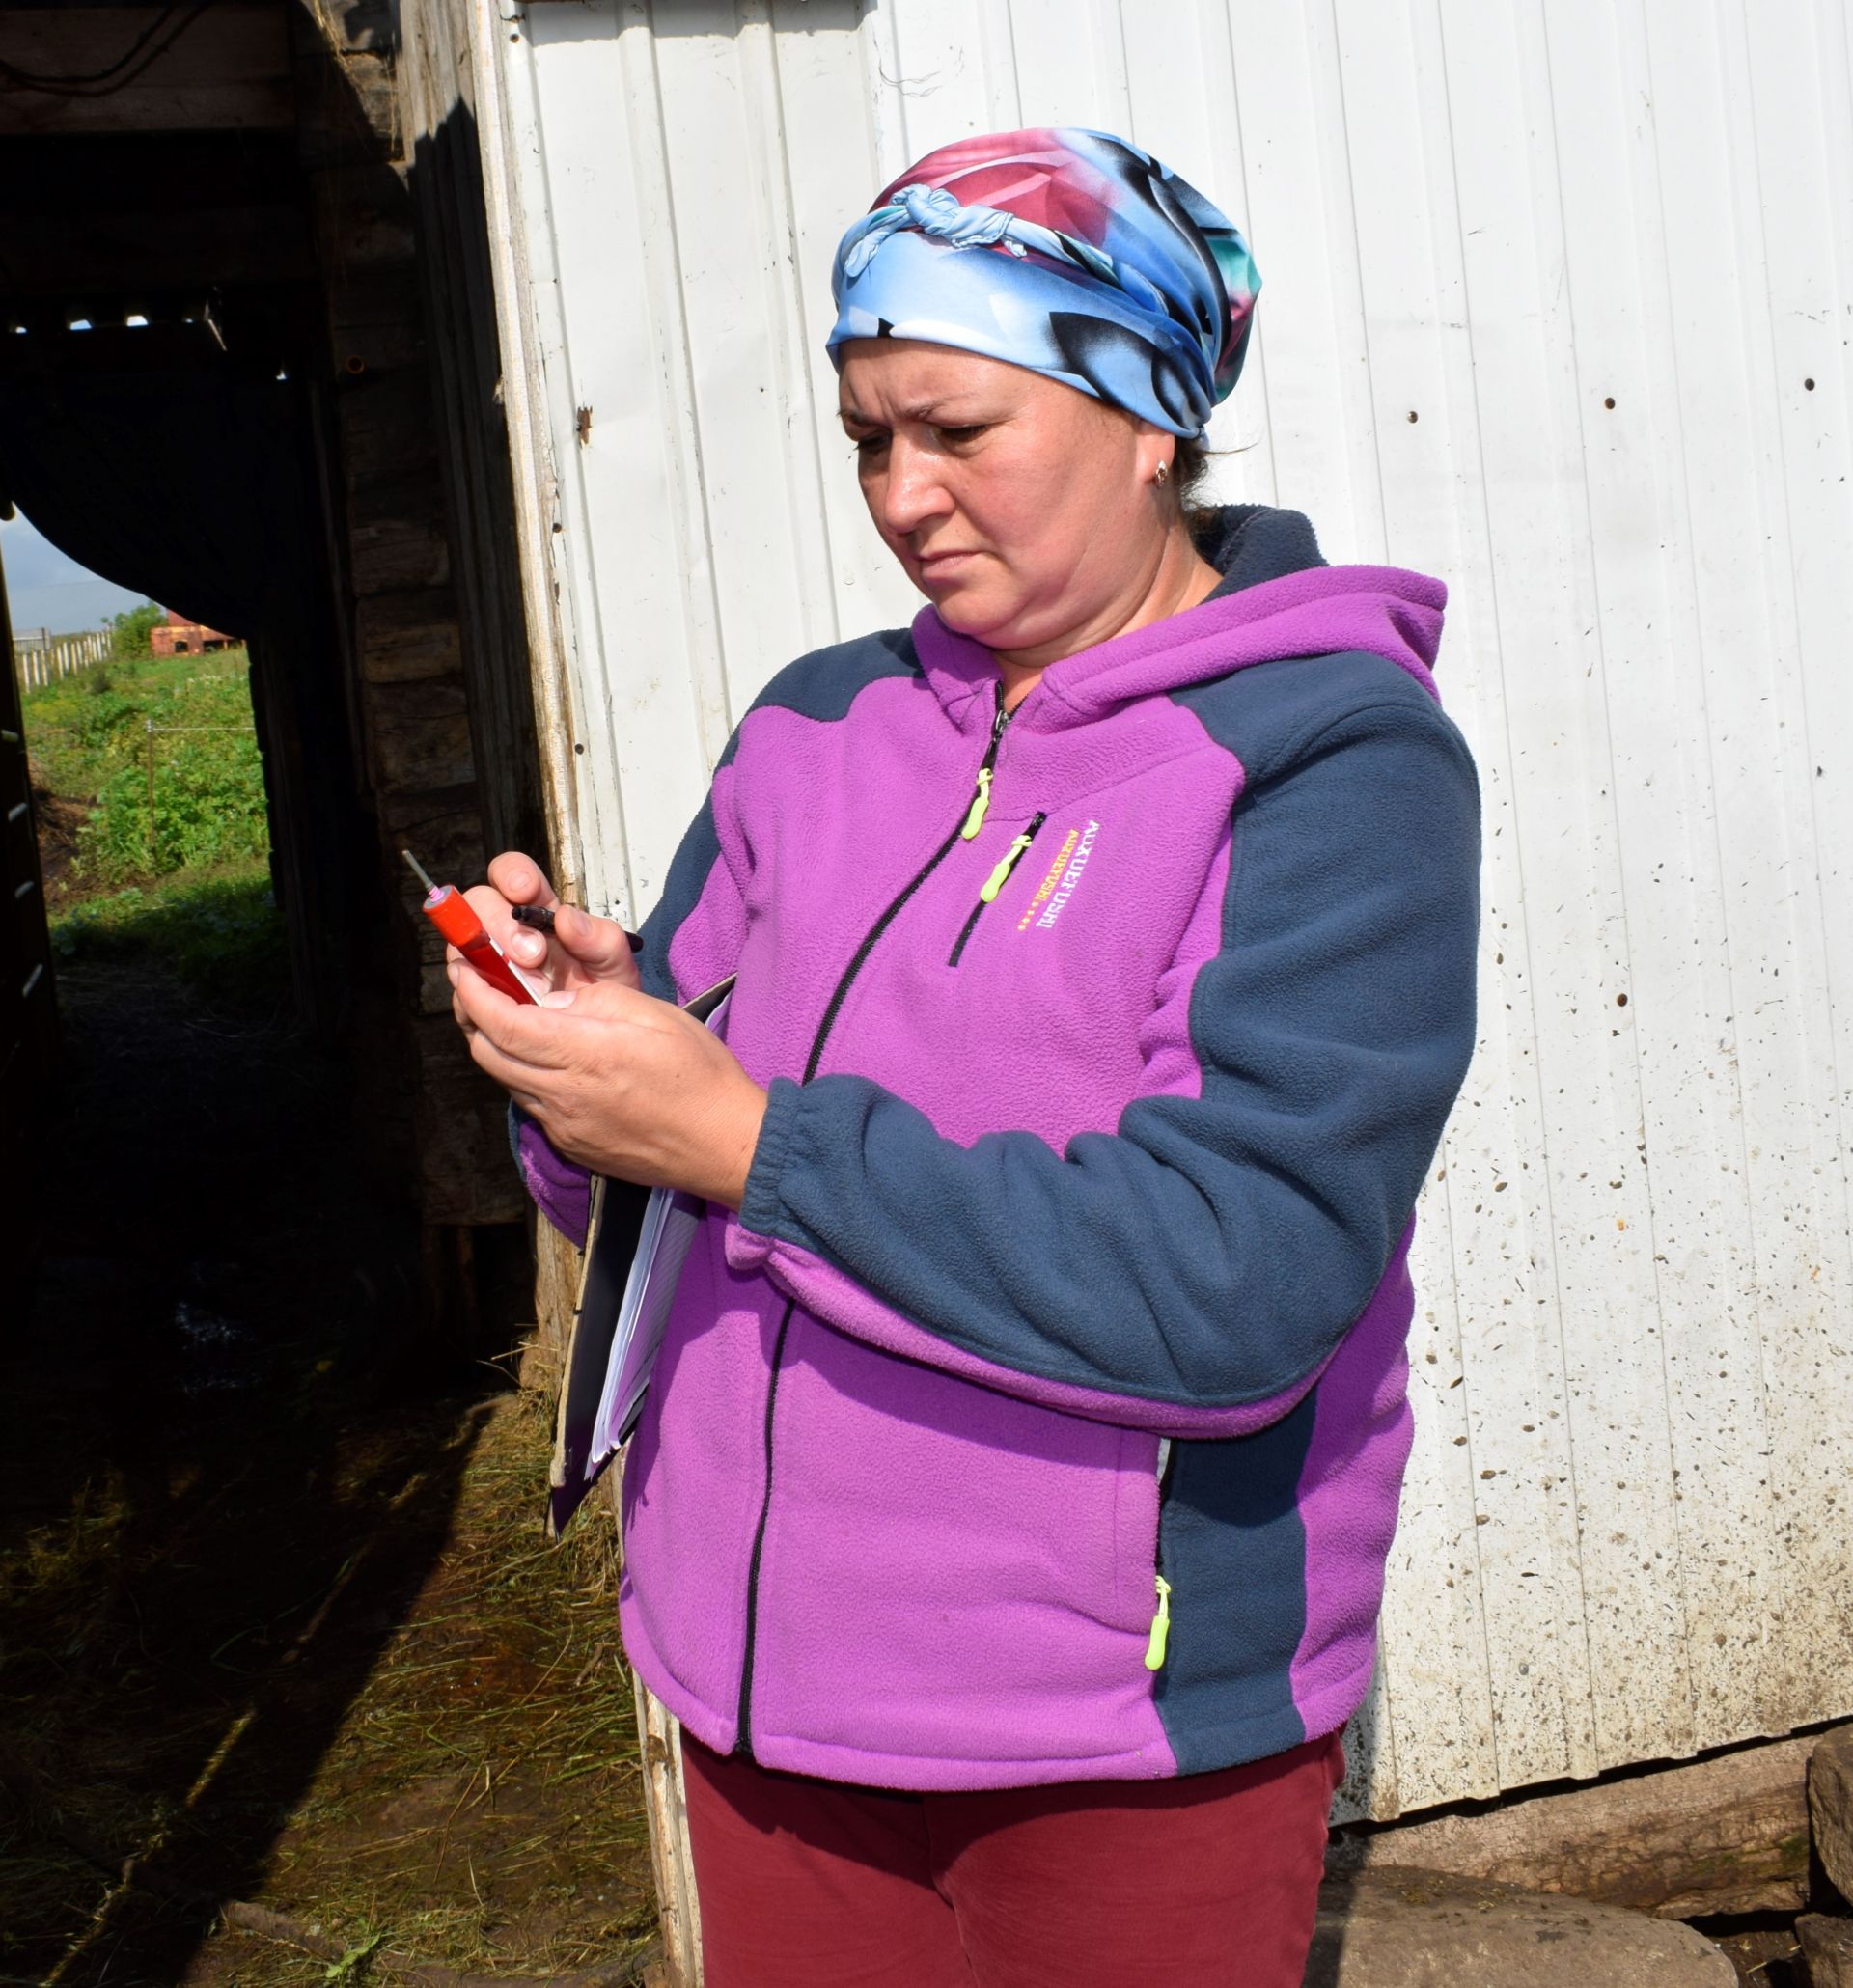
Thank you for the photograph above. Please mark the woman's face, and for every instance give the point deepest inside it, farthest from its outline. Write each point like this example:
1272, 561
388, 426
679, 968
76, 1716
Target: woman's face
1024, 509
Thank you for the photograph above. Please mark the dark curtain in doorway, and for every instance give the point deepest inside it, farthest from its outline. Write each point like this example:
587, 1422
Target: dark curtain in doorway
197, 486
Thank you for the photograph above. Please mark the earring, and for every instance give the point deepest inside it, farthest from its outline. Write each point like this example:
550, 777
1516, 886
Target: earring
1164, 475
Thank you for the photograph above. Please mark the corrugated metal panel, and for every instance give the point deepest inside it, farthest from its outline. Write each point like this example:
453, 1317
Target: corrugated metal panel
1558, 305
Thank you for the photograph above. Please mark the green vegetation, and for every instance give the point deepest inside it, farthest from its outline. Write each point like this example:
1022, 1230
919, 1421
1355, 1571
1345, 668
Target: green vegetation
90, 739
129, 632
188, 879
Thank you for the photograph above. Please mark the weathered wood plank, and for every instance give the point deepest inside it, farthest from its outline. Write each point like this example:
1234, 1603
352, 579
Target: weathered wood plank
374, 297
404, 637
660, 1737
132, 174
396, 535
461, 1121
350, 26
555, 1290
1727, 1835
418, 735
347, 110
437, 81
372, 349
386, 430
389, 553
363, 219
227, 69
49, 255
440, 820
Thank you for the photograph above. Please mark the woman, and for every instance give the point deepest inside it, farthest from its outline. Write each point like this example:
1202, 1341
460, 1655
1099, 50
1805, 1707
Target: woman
1008, 1522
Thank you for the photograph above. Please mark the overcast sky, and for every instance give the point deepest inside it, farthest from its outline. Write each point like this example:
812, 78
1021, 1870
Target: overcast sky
45, 589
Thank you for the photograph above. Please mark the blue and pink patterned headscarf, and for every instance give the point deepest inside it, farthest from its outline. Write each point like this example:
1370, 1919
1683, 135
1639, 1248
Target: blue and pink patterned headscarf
1070, 252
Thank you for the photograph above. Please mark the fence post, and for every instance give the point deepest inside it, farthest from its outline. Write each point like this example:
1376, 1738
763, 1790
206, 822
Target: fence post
151, 794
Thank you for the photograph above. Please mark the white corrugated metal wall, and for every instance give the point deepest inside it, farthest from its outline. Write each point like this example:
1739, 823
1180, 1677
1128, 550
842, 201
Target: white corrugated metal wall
1557, 305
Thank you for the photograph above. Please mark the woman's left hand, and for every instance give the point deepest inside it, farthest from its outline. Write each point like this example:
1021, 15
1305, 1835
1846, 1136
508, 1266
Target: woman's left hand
628, 1085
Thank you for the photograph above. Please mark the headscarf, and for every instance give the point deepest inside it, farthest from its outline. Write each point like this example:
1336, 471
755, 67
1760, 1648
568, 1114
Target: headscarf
1070, 252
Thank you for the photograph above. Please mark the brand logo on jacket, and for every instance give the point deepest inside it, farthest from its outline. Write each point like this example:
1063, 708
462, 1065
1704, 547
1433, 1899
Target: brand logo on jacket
1058, 883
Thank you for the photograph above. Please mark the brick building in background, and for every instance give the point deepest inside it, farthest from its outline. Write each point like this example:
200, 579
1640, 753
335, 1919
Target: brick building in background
177, 636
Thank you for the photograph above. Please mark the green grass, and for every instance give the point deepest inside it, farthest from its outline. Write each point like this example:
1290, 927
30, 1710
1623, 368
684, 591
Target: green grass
90, 741
188, 884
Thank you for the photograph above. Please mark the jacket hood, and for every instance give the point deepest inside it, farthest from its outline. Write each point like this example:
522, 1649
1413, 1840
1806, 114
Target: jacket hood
1278, 599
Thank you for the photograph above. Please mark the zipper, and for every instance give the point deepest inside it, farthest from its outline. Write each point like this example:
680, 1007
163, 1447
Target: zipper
980, 803
982, 800
744, 1744
995, 882
963, 831
1158, 1636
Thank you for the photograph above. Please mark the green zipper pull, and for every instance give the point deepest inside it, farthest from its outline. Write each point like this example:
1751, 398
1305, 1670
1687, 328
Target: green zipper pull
998, 877
981, 801
1160, 1628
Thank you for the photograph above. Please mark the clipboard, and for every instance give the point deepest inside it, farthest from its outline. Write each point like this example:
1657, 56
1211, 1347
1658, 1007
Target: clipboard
605, 1377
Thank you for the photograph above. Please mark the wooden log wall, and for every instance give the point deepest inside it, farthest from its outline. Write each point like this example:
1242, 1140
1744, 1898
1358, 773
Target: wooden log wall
438, 109
400, 575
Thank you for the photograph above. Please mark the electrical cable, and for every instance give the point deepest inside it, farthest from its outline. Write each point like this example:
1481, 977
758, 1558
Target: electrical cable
137, 60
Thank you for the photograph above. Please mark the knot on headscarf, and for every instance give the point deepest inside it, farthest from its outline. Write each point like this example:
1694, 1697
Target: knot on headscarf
1115, 276
933, 211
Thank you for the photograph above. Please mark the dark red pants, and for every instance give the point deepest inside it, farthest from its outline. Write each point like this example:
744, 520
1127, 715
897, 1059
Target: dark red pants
1206, 1880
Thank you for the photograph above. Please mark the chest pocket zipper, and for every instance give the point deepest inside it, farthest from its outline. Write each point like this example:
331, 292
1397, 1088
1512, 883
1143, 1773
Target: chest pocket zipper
1000, 875
1160, 1635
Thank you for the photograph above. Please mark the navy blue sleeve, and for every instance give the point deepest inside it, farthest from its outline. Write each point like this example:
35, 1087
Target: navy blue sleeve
1218, 1246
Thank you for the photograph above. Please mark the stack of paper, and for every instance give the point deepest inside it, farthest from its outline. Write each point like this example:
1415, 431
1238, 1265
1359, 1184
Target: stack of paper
668, 1226
636, 1244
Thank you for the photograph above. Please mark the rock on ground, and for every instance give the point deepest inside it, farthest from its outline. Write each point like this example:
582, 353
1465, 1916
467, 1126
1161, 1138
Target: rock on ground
1390, 1928
1826, 1946
1830, 1806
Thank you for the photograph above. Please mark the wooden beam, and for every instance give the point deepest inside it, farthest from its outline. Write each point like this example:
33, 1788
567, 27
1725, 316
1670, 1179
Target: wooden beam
225, 68
118, 349
1726, 1834
134, 174
199, 248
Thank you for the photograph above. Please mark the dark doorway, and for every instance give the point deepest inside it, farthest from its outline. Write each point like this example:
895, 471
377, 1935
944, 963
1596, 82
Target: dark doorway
232, 1433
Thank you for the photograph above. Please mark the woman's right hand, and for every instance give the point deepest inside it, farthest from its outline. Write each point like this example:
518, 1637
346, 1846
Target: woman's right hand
582, 951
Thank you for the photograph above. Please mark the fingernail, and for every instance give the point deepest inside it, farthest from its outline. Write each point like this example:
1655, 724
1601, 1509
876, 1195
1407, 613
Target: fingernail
560, 997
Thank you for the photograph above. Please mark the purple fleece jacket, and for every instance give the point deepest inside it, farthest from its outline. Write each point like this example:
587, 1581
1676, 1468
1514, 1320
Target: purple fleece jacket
1071, 1268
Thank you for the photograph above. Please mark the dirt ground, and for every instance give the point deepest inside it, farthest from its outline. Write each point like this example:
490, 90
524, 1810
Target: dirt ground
276, 1619
58, 819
